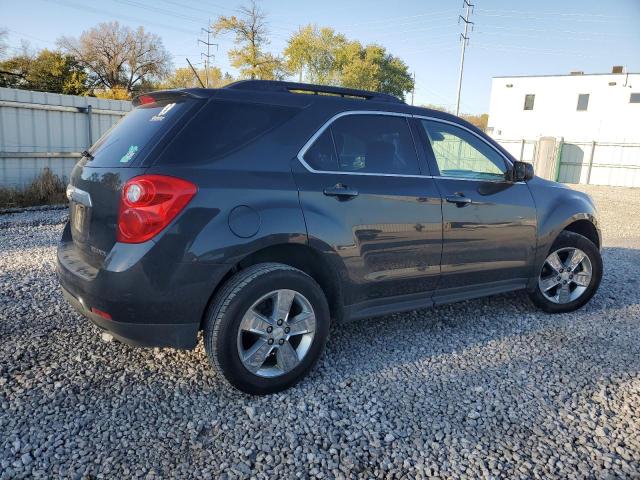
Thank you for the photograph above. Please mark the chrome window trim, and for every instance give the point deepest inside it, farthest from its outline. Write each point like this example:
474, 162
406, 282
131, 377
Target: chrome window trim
328, 123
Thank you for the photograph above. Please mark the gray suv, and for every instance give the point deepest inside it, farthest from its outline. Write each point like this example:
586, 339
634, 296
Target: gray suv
261, 212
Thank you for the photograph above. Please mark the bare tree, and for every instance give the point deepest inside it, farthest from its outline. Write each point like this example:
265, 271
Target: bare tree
3, 42
251, 37
117, 56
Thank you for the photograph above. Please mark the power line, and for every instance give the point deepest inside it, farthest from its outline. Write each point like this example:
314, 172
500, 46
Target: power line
465, 39
529, 50
102, 12
554, 14
541, 16
387, 20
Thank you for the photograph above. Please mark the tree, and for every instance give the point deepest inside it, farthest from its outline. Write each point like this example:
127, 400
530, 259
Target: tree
314, 51
48, 71
3, 42
328, 57
480, 120
251, 32
184, 78
117, 56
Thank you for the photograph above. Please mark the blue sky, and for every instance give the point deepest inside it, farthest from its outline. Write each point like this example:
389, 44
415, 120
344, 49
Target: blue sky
509, 38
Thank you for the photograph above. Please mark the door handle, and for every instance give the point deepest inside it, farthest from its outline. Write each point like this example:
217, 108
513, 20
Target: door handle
341, 191
459, 199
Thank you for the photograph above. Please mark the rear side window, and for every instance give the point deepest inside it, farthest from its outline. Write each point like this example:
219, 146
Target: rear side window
127, 141
366, 144
222, 127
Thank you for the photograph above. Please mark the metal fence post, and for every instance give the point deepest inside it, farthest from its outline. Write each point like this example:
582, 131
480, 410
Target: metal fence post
89, 126
522, 150
593, 149
559, 157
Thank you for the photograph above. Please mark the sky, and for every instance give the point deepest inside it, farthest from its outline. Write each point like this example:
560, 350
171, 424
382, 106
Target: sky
508, 37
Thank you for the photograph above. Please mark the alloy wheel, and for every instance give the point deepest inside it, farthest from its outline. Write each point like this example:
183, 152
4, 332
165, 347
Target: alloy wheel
276, 333
565, 275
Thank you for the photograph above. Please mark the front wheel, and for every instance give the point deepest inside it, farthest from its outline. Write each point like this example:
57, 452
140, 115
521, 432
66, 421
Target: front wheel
266, 328
570, 275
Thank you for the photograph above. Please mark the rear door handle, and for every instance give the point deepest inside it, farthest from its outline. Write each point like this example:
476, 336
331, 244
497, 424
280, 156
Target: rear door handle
459, 199
341, 191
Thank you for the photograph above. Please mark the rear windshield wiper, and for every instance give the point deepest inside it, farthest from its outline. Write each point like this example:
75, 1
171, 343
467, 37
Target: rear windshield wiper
86, 153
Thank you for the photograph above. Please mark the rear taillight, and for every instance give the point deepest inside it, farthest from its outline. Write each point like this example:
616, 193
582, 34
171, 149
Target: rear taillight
149, 203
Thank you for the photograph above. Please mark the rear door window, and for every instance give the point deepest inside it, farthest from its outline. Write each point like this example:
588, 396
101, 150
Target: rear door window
128, 140
375, 144
222, 127
322, 154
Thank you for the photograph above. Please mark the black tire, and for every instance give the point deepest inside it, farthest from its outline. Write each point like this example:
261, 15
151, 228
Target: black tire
234, 299
573, 240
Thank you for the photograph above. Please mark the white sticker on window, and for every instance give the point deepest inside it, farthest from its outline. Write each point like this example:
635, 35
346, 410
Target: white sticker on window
160, 116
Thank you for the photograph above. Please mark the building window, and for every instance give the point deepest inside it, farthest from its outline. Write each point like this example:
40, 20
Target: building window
583, 102
528, 101
634, 98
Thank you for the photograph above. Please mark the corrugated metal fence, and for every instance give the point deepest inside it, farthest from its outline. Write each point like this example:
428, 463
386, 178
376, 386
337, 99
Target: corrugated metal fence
594, 163
39, 129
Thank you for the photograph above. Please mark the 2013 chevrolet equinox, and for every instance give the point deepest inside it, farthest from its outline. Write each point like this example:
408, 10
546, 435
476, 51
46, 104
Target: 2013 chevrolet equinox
258, 212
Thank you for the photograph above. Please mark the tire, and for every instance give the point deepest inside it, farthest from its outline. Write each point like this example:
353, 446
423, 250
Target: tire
225, 336
564, 245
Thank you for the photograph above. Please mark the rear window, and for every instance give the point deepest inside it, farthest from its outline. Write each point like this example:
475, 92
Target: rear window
222, 127
126, 141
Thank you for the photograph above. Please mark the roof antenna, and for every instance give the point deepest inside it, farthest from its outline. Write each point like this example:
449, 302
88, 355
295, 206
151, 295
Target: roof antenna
195, 73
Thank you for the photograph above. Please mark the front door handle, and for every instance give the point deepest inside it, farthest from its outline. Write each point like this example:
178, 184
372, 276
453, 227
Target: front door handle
459, 199
343, 192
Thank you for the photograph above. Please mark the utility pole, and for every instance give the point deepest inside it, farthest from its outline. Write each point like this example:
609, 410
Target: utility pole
413, 90
465, 39
207, 56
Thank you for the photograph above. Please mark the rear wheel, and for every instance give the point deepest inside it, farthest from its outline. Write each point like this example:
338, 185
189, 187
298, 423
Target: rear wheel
266, 328
570, 275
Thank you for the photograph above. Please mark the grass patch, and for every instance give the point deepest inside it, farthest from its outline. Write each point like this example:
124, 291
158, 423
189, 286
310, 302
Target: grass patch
46, 189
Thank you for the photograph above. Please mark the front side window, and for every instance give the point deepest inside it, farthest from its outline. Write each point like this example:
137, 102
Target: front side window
583, 102
528, 101
460, 154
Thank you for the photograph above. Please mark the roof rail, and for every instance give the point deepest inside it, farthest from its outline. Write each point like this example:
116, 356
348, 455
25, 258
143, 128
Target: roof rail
295, 87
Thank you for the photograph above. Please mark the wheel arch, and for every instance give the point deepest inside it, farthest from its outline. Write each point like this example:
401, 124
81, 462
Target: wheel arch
586, 228
301, 256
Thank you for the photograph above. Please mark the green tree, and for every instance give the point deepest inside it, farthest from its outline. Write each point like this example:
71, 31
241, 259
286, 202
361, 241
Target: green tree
117, 56
251, 39
312, 52
328, 57
372, 68
48, 71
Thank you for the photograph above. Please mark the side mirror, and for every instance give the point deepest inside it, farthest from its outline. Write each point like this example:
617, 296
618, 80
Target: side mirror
522, 171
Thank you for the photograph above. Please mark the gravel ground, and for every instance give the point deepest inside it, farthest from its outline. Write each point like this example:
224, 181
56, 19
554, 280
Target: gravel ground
486, 388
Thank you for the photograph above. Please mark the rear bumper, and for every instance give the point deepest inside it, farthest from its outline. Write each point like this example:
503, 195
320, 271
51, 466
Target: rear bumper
180, 335
151, 301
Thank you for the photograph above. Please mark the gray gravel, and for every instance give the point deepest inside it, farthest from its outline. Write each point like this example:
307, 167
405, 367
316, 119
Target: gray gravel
486, 388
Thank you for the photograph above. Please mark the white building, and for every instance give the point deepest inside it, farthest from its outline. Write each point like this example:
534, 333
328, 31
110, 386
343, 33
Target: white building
578, 107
